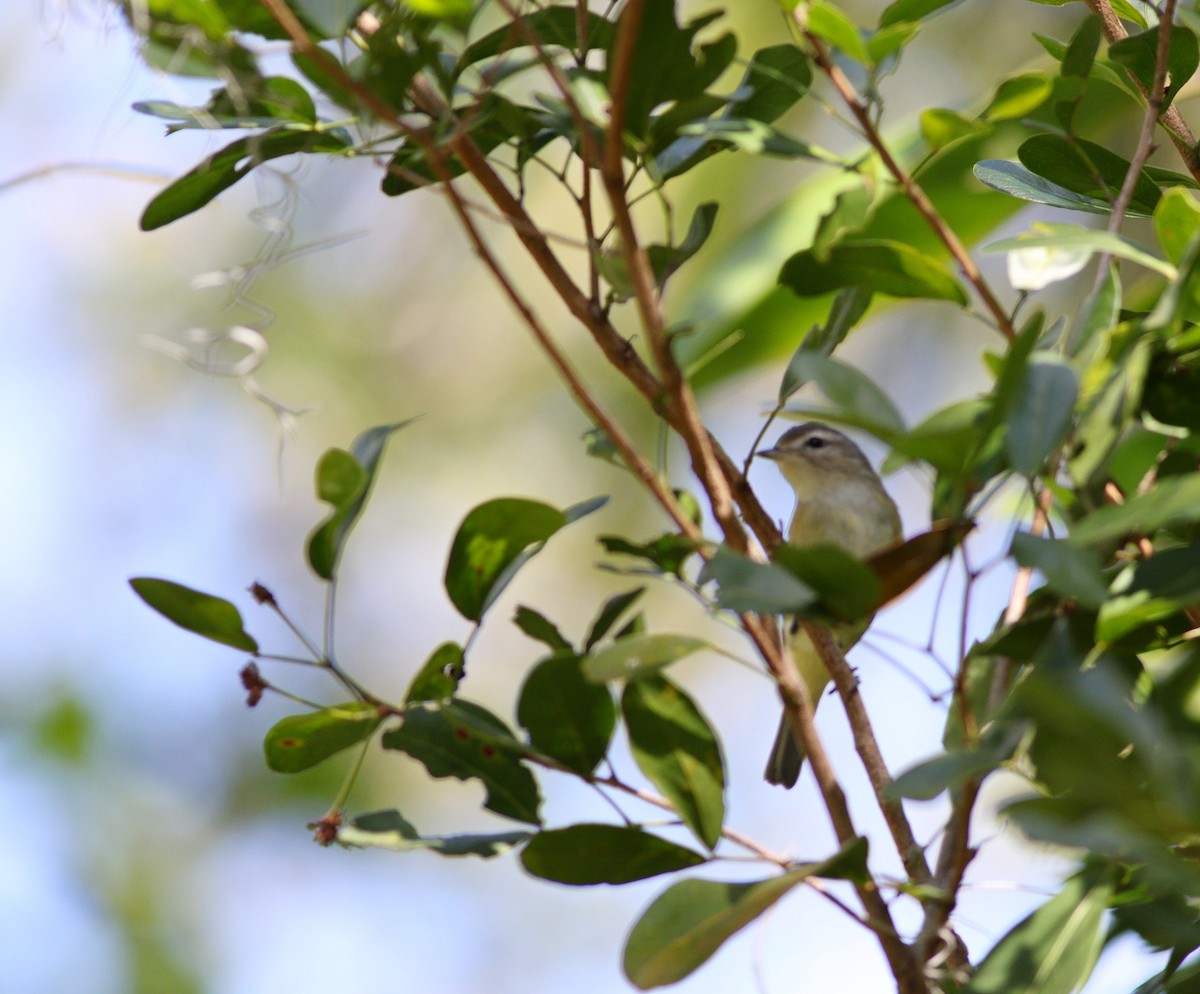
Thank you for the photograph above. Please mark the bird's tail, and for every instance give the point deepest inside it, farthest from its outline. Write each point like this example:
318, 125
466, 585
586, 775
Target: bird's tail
783, 765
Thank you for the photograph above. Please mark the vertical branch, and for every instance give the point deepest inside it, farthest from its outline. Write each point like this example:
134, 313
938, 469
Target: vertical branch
908, 186
1171, 120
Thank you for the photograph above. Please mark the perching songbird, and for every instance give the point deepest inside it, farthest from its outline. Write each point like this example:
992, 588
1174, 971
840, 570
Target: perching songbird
840, 501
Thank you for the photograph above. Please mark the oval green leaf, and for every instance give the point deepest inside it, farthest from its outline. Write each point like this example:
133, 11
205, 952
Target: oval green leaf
637, 655
211, 617
301, 741
568, 717
583, 855
879, 265
678, 751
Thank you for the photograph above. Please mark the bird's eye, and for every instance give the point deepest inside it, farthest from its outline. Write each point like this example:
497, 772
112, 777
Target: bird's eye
816, 442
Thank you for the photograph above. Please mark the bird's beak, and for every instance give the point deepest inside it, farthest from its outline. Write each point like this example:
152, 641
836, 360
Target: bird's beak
771, 453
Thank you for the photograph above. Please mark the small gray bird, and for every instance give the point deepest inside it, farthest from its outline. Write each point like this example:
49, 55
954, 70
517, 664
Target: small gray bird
840, 501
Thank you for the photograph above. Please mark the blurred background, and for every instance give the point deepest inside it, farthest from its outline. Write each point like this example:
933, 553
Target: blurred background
151, 850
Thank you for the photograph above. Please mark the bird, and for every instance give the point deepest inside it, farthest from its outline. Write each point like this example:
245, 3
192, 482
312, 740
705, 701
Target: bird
841, 501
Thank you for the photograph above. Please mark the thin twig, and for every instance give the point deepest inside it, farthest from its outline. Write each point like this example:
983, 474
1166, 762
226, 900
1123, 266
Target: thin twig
1172, 121
908, 186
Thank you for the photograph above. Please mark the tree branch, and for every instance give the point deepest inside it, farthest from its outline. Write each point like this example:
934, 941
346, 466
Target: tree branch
1171, 120
908, 186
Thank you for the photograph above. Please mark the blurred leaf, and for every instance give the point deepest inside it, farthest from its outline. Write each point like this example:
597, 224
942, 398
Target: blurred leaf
910, 10
1069, 570
851, 210
1138, 54
65, 728
465, 741
1173, 501
1050, 235
458, 12
889, 41
568, 717
871, 264
1041, 411
1176, 221
613, 608
677, 751
845, 584
775, 78
667, 553
666, 259
222, 169
663, 66
603, 854
855, 398
537, 626
275, 100
301, 741
638, 655
389, 830
1019, 182
1018, 96
205, 615
438, 679
831, 25
1150, 590
751, 137
745, 585
1054, 949
552, 26
1086, 168
495, 540
1099, 312
344, 480
940, 127
849, 307
949, 771
691, 920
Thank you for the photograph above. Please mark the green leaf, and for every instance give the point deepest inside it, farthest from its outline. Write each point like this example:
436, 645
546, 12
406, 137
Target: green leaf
537, 626
878, 265
663, 66
1069, 569
1086, 168
676, 749
1149, 591
845, 584
613, 608
745, 585
273, 100
438, 679
776, 78
666, 259
456, 11
1176, 221
222, 169
910, 10
301, 741
1173, 501
568, 717
344, 481
752, 137
1138, 54
690, 921
855, 398
1050, 235
928, 779
940, 127
888, 42
389, 830
1019, 182
634, 657
552, 26
1019, 96
668, 553
495, 540
465, 741
603, 854
1040, 413
205, 615
830, 24
1054, 949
